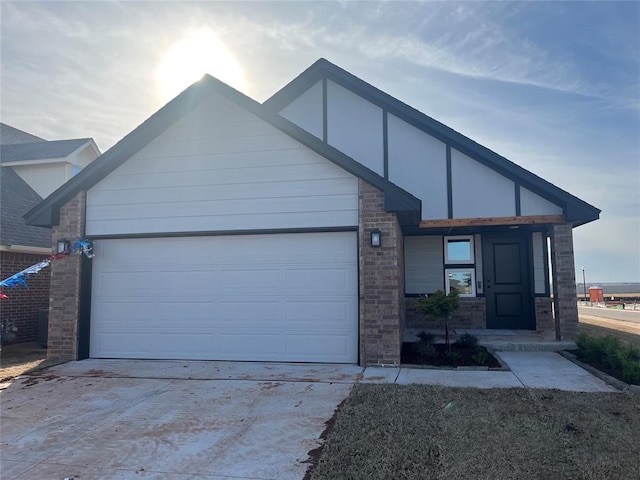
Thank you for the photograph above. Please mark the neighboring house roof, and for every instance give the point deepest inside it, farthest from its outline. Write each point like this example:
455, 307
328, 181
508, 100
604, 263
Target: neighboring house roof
46, 213
576, 210
39, 150
17, 198
10, 135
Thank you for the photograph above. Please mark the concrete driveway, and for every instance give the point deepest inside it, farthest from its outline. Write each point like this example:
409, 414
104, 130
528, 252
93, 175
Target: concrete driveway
100, 419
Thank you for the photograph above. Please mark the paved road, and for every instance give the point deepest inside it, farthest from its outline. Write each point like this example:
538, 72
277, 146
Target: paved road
613, 314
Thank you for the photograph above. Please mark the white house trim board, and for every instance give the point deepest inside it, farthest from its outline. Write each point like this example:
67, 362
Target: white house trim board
222, 168
281, 297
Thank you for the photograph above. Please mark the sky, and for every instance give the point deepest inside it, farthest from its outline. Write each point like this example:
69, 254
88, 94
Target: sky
553, 86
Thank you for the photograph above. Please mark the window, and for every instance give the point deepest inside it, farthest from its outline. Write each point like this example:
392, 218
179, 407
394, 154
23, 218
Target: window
458, 250
462, 280
75, 170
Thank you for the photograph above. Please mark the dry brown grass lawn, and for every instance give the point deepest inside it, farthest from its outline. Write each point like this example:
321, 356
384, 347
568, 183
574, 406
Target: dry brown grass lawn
430, 432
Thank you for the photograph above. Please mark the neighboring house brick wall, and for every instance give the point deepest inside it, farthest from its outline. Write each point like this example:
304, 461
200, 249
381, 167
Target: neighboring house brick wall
544, 314
564, 282
65, 283
23, 304
471, 313
381, 281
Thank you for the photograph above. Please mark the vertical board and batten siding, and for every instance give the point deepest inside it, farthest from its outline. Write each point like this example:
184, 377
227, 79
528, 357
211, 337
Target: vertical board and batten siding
479, 191
418, 164
306, 111
354, 126
539, 279
221, 168
424, 260
532, 204
417, 161
278, 297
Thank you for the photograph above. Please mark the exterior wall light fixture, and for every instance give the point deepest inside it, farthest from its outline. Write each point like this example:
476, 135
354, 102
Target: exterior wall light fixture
62, 246
376, 238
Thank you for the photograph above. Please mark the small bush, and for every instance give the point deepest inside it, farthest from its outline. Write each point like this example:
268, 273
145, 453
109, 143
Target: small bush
454, 357
481, 356
610, 353
427, 337
425, 348
467, 340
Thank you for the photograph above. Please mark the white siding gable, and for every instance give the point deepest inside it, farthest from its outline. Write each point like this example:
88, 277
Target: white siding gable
418, 164
355, 127
532, 204
306, 111
221, 168
479, 191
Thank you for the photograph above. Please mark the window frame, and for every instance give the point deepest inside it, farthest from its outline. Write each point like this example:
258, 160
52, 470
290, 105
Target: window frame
458, 238
470, 270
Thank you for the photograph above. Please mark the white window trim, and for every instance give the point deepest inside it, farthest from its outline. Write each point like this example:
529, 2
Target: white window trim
465, 270
468, 238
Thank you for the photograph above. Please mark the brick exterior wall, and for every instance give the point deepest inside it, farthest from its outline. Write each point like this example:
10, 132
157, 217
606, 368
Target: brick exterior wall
23, 304
472, 313
544, 314
65, 284
564, 282
381, 281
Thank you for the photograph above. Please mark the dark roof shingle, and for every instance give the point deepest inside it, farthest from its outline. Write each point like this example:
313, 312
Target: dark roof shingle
10, 135
16, 199
37, 151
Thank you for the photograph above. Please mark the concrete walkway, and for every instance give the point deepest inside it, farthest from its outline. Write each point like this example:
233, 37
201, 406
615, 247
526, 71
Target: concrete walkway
528, 370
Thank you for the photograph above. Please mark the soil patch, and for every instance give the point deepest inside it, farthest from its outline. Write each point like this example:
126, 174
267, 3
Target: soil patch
22, 358
461, 356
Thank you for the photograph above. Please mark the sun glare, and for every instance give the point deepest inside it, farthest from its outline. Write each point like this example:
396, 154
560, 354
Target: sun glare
191, 57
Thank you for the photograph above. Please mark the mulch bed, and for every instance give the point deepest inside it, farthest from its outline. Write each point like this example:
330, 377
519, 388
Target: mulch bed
463, 356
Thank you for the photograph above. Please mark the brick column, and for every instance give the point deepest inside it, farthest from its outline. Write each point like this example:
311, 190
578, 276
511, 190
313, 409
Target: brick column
564, 282
65, 283
381, 281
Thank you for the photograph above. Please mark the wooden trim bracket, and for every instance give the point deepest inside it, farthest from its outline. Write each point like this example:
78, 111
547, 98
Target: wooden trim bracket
490, 221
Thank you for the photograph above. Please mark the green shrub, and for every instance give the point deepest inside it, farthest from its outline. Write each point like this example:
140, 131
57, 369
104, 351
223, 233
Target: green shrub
454, 357
629, 358
467, 340
425, 350
440, 305
612, 354
425, 347
427, 337
481, 356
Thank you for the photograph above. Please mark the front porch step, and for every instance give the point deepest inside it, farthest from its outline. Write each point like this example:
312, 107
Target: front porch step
500, 340
515, 346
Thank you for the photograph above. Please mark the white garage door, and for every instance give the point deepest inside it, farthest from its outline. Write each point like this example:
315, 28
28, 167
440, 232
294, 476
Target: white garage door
283, 297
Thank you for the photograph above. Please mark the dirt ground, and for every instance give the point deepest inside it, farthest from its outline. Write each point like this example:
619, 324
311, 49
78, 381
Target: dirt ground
21, 358
425, 432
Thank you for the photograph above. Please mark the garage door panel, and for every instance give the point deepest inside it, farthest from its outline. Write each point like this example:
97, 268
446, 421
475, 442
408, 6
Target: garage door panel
335, 279
318, 346
227, 298
309, 313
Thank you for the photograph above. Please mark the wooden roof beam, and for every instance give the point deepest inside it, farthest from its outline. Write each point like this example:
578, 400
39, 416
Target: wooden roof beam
492, 221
